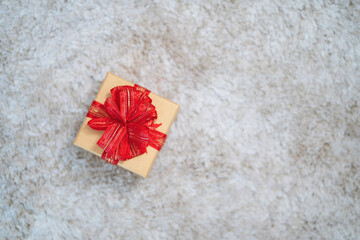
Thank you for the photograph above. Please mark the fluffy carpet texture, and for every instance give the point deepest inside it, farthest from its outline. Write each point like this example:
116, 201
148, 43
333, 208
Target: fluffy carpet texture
266, 144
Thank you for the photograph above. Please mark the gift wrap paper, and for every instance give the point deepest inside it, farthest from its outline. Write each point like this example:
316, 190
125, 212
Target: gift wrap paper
141, 165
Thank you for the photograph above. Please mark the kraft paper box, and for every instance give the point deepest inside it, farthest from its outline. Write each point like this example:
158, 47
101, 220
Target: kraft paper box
87, 137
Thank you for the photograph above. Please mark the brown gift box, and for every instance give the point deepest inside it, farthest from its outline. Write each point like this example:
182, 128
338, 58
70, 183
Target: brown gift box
141, 165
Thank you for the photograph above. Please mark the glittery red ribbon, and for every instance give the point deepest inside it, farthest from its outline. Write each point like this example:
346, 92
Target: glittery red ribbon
127, 117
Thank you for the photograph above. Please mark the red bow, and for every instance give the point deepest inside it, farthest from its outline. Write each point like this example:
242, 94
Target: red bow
128, 118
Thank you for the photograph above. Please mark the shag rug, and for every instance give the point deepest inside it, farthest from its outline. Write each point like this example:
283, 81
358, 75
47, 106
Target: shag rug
266, 144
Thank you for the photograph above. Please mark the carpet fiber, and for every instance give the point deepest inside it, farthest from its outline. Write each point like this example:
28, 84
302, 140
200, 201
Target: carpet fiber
266, 144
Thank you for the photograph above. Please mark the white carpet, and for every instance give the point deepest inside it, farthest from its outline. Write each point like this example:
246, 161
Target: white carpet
266, 144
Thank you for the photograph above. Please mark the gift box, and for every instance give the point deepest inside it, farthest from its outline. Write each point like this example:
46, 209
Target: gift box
126, 125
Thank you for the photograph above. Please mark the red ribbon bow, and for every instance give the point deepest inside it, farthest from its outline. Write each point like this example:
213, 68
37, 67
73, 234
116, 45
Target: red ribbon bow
128, 118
